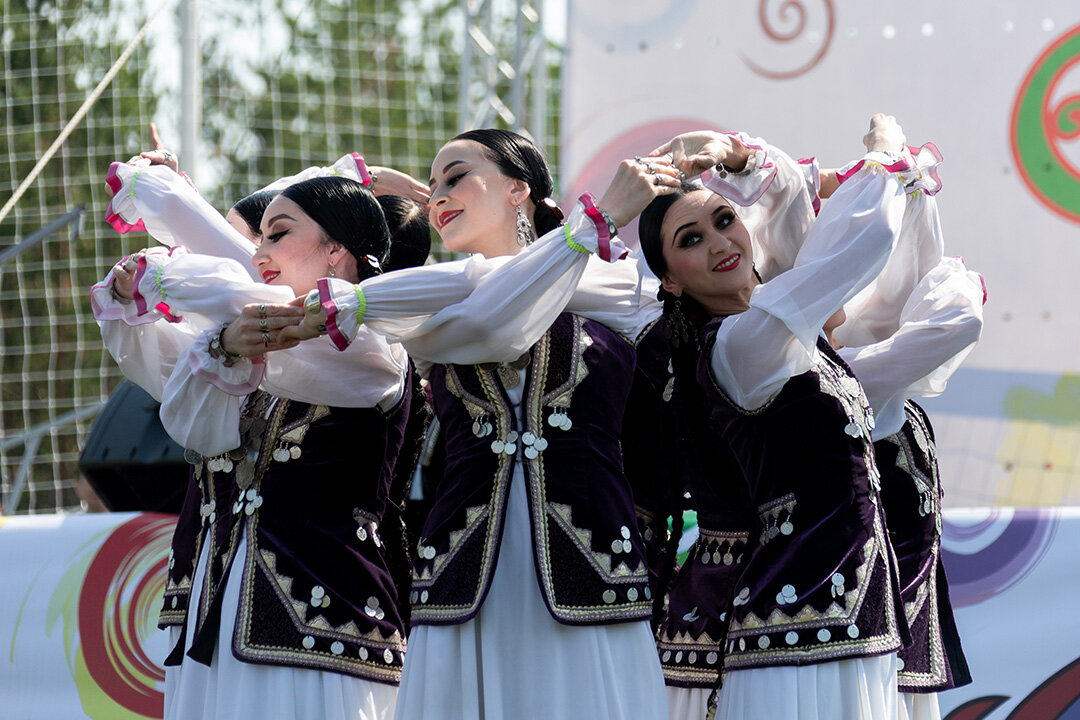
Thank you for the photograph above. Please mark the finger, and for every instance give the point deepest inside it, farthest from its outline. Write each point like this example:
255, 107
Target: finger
662, 150
274, 309
155, 137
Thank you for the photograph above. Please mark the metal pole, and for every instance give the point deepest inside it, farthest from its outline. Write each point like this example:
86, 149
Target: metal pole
190, 88
540, 80
465, 74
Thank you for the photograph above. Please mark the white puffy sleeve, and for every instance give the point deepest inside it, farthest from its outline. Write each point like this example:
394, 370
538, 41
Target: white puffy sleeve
776, 198
873, 314
165, 204
938, 327
474, 310
757, 350
147, 352
172, 283
202, 399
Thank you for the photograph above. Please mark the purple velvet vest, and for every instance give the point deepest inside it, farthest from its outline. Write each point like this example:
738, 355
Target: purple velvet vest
590, 557
819, 577
316, 590
911, 496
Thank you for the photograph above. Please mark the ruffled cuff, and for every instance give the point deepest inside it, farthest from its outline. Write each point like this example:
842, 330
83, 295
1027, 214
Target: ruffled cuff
122, 180
239, 379
812, 176
345, 306
121, 212
150, 300
916, 168
353, 167
746, 186
586, 231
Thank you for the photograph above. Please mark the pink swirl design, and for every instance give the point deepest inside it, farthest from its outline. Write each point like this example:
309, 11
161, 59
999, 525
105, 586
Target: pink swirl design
791, 10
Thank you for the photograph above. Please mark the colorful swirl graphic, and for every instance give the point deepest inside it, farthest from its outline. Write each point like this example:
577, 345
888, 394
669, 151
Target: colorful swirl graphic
792, 15
1042, 121
117, 612
987, 555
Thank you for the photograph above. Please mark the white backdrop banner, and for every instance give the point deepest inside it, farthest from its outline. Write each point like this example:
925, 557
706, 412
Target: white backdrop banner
80, 595
996, 85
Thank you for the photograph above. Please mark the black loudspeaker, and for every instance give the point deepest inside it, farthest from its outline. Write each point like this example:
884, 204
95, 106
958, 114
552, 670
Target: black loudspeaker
128, 458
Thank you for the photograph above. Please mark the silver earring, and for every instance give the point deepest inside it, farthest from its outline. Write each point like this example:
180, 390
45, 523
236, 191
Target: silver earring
524, 228
332, 273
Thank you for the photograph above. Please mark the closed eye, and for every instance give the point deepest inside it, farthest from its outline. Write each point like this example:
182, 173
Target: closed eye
274, 237
451, 182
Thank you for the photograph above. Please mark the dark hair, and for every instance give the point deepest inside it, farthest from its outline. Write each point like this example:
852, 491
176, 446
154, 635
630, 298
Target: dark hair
349, 214
518, 158
252, 207
410, 233
650, 222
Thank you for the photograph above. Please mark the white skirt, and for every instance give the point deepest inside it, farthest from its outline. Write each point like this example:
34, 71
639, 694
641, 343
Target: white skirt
233, 690
854, 689
919, 706
688, 703
514, 660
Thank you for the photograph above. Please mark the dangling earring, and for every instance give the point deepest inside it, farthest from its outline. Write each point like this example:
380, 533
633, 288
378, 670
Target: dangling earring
524, 228
332, 273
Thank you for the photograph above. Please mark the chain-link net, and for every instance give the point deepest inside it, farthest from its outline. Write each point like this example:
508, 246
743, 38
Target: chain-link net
285, 84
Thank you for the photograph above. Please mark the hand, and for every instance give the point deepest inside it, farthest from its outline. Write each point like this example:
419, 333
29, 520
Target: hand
123, 285
259, 329
393, 182
696, 152
885, 135
634, 186
159, 155
312, 326
829, 182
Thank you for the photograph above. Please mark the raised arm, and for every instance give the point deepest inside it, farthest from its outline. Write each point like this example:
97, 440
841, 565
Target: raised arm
938, 327
756, 351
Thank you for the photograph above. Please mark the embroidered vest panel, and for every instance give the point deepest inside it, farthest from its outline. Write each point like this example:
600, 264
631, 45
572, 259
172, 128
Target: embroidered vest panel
692, 633
819, 581
308, 492
911, 497
589, 553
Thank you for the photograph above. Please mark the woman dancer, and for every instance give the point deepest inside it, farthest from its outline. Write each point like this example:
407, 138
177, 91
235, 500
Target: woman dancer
530, 593
814, 624
279, 592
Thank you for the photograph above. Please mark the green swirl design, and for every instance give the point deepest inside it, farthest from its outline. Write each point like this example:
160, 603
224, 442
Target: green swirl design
1037, 129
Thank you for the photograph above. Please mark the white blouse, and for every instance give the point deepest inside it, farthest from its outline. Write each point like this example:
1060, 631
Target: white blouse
938, 326
757, 350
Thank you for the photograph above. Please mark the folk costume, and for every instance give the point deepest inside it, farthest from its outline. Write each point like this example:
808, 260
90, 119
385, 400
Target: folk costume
531, 593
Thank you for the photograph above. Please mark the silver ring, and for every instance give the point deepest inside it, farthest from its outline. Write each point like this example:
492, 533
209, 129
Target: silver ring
649, 168
262, 324
657, 180
266, 339
313, 303
638, 160
262, 310
169, 157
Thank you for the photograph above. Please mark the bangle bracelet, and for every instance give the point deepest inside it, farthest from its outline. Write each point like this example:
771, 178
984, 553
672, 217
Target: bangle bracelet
611, 228
217, 348
116, 296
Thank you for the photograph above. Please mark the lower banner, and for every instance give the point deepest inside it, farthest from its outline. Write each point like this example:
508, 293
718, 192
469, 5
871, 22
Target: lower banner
80, 594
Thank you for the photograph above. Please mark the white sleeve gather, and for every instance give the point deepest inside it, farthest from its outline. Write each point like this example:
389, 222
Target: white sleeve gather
474, 310
157, 199
147, 353
347, 166
758, 350
775, 198
938, 327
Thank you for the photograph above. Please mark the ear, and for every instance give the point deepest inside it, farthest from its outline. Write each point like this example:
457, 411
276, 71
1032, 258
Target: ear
670, 285
337, 252
519, 191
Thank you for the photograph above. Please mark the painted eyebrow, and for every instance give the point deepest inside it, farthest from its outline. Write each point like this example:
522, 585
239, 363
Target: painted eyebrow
675, 235
446, 169
280, 216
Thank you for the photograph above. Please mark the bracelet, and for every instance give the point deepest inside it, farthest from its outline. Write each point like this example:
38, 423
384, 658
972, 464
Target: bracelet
603, 242
217, 348
612, 229
116, 296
